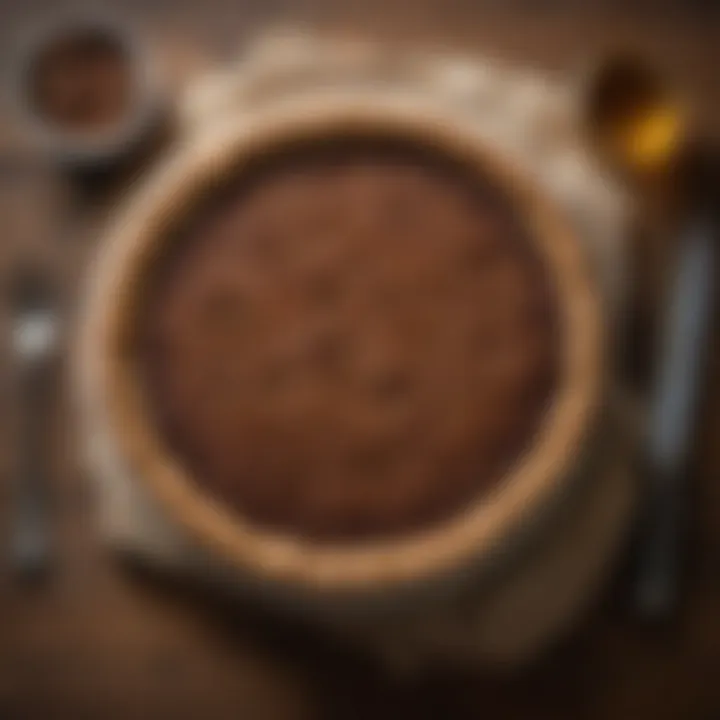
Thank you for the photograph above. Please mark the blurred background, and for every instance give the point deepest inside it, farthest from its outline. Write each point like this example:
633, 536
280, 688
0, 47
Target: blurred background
97, 639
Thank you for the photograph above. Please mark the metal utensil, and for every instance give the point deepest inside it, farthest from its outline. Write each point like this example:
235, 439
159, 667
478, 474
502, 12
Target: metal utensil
633, 120
672, 421
640, 128
35, 333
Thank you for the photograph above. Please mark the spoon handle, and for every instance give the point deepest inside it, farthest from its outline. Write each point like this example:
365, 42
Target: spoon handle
673, 411
30, 545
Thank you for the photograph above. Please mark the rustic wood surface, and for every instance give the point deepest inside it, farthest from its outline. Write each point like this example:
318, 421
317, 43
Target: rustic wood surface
99, 640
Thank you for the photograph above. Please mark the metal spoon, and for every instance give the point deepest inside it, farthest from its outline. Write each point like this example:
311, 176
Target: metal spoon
641, 128
35, 334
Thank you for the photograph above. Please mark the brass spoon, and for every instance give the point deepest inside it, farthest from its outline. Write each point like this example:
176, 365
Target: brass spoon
639, 129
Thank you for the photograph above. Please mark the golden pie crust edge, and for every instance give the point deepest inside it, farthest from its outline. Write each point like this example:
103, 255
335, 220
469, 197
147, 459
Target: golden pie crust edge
476, 534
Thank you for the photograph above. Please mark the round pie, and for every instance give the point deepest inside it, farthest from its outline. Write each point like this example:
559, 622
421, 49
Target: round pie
350, 339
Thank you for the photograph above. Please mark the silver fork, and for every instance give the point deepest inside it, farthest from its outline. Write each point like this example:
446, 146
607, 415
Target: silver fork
34, 338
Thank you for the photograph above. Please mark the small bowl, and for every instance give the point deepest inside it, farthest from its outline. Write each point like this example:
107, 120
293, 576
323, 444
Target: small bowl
80, 126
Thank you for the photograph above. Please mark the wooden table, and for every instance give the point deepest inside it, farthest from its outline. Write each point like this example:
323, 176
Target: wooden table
99, 641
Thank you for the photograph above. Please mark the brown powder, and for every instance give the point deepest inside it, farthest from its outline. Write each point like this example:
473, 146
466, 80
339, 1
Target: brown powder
350, 342
82, 82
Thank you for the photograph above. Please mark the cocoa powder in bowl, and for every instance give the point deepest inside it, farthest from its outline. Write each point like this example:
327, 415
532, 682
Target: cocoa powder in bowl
352, 340
81, 81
